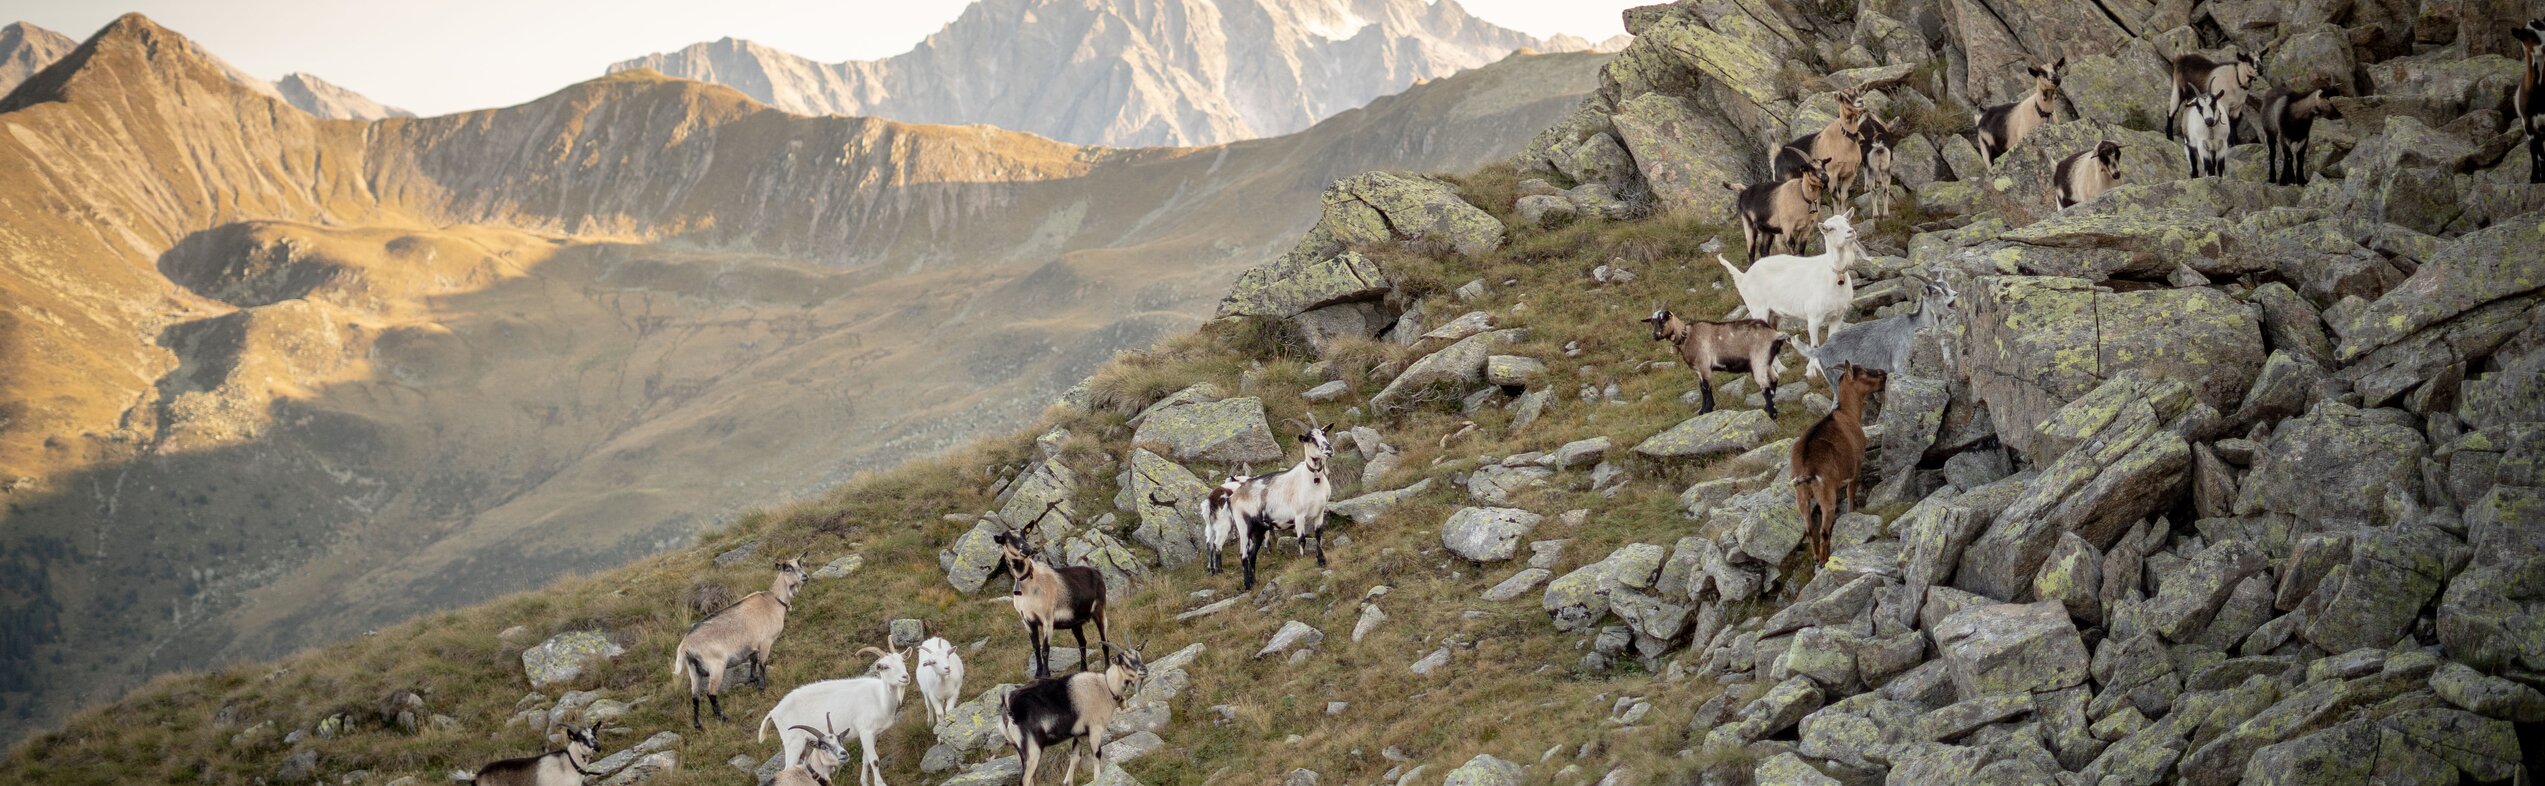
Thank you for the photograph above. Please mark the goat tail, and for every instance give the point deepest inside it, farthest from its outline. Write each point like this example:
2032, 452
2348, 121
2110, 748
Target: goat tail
677, 656
1807, 480
767, 722
463, 776
1732, 186
1728, 268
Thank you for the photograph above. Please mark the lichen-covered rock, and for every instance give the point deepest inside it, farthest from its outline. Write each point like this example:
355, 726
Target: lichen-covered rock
2130, 466
2111, 89
2485, 749
1684, 153
1764, 523
1302, 281
1519, 584
840, 568
1546, 210
1168, 499
2496, 263
1600, 159
1293, 634
562, 657
2011, 648
1579, 599
1114, 562
1378, 207
973, 557
1711, 434
2193, 594
2393, 573
2000, 38
1787, 769
1457, 366
1487, 534
1044, 490
973, 726
1324, 325
2339, 755
2140, 244
1223, 432
2489, 696
1499, 485
2033, 344
1368, 507
1512, 370
2335, 464
1484, 770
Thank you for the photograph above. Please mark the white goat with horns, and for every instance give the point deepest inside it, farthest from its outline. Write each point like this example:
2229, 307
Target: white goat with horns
1251, 507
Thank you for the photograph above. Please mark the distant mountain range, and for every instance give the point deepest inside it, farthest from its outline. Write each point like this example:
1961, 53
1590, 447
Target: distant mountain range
267, 381
1129, 73
26, 49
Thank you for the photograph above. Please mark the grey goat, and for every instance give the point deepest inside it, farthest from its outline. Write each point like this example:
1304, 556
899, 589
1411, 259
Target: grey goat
1883, 343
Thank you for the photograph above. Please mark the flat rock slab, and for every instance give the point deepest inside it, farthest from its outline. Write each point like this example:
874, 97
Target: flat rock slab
2011, 648
1711, 434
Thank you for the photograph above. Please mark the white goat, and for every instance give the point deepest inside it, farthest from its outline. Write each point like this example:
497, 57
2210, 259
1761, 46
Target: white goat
1295, 497
2205, 133
867, 704
940, 678
1816, 288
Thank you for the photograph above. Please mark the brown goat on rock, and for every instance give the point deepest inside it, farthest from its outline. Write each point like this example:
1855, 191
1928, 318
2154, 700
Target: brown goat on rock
1828, 460
1050, 599
1746, 345
1775, 215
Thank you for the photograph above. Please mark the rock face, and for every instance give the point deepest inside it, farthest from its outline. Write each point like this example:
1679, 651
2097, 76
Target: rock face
1207, 78
1377, 207
2011, 648
1168, 499
2036, 343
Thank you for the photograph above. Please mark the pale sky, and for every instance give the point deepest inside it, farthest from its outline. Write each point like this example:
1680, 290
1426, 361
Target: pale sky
439, 56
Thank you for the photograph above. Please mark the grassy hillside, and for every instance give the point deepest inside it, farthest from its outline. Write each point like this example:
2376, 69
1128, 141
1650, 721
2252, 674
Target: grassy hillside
1512, 688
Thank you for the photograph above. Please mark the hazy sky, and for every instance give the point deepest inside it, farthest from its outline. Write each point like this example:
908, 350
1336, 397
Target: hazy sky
437, 56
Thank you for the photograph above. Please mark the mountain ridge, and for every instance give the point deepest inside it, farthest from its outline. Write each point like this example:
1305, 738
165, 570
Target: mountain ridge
26, 49
1183, 72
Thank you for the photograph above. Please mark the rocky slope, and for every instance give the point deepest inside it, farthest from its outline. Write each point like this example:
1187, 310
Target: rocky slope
1127, 73
278, 379
2206, 481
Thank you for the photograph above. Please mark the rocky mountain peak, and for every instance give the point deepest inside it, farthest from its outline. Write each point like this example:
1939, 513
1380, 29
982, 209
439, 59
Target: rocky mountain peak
1163, 72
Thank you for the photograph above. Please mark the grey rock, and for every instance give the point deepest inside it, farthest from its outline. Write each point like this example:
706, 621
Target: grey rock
1458, 365
1368, 507
2193, 595
1232, 431
1484, 770
1329, 391
1512, 370
1292, 634
2009, 648
1487, 534
562, 657
1501, 485
1711, 434
1517, 585
2486, 695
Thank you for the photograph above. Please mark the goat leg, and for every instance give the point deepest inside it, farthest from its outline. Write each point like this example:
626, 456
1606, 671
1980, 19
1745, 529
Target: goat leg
717, 704
1767, 383
693, 712
1321, 549
1705, 393
1080, 633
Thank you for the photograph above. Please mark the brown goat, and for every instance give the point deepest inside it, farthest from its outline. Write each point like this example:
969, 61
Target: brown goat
1746, 345
1829, 458
1775, 216
1050, 599
1839, 147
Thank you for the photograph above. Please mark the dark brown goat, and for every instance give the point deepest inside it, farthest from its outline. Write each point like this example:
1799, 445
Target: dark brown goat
1829, 458
1050, 599
2529, 101
1746, 345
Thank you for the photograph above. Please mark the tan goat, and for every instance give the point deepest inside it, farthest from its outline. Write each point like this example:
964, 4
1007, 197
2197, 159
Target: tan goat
741, 633
2003, 125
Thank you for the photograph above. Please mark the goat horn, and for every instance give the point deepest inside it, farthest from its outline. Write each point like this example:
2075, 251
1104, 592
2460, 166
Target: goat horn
810, 730
878, 652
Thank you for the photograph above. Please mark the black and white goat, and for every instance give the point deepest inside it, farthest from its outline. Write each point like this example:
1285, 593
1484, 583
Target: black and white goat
1048, 712
563, 767
1253, 507
2204, 127
1049, 599
2232, 79
2089, 173
2003, 125
2288, 122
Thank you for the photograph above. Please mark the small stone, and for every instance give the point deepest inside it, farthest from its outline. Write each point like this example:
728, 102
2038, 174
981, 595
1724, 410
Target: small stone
840, 568
1292, 634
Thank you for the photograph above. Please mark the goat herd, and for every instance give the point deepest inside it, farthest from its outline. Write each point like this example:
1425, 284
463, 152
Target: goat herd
1826, 461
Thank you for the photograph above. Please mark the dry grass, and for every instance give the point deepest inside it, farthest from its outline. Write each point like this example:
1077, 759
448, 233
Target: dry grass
1513, 688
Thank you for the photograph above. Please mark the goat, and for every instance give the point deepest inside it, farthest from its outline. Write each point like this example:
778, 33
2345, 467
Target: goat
822, 755
868, 704
1220, 520
2195, 74
1829, 458
1295, 497
1743, 345
563, 767
2204, 127
2003, 125
940, 678
2087, 174
1879, 161
1773, 215
1838, 147
2529, 101
1815, 288
1883, 344
2288, 122
1048, 712
741, 632
1050, 599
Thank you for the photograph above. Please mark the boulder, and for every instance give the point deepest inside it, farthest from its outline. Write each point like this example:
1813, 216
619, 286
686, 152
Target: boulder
2138, 244
1457, 366
1598, 159
1500, 485
1577, 453
2393, 573
2131, 466
1168, 500
1293, 634
2485, 749
1545, 210
1487, 534
1368, 507
1222, 432
1764, 523
1711, 434
2339, 755
1685, 153
2291, 324
2488, 696
2111, 89
1519, 584
2000, 38
2501, 262
2193, 594
2033, 344
1787, 769
1304, 280
840, 568
973, 726
1484, 770
1512, 370
1324, 325
973, 557
1378, 207
2335, 464
562, 657
1579, 599
2010, 648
